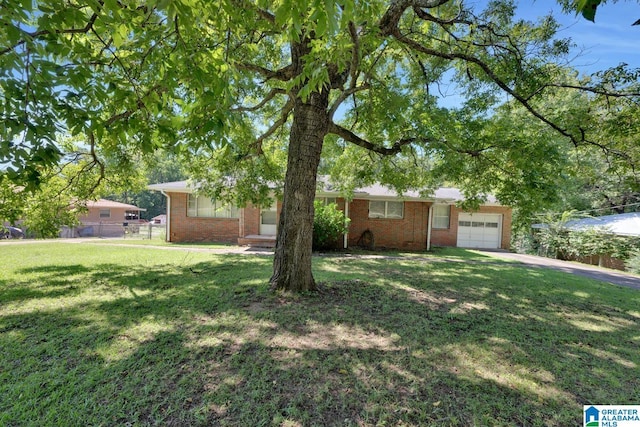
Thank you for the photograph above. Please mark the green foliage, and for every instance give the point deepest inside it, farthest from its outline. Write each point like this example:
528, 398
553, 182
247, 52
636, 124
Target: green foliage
585, 175
213, 82
587, 8
64, 189
221, 84
162, 166
47, 211
633, 263
557, 241
553, 237
590, 242
329, 225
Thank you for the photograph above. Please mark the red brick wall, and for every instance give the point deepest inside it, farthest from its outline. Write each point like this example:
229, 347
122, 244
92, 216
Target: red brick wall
189, 229
251, 221
409, 232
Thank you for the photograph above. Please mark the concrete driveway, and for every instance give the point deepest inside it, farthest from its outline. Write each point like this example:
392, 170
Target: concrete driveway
593, 272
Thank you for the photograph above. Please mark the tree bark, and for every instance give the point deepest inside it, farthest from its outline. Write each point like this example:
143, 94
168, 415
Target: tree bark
292, 260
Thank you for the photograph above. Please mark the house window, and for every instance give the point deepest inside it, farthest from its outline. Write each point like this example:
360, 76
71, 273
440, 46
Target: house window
441, 214
327, 200
131, 215
105, 213
205, 207
385, 209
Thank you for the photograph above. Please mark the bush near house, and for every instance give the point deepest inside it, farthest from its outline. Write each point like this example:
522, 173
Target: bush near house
590, 246
329, 225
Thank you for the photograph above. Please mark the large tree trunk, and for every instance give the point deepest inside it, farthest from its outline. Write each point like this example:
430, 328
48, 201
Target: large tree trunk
292, 261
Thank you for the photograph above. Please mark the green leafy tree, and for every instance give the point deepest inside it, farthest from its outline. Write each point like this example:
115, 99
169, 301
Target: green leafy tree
82, 174
161, 166
553, 238
50, 209
599, 177
248, 91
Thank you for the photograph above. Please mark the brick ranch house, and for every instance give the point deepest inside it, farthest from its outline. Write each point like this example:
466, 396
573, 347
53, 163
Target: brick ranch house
104, 218
378, 216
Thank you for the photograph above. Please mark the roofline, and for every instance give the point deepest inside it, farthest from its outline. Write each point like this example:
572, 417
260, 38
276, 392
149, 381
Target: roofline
367, 196
360, 195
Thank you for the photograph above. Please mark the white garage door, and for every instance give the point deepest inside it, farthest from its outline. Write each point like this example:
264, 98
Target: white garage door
478, 230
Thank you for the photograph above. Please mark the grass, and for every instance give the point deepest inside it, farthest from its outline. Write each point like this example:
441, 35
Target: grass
127, 240
104, 335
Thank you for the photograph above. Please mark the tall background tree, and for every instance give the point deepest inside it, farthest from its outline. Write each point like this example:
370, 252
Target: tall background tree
231, 85
161, 166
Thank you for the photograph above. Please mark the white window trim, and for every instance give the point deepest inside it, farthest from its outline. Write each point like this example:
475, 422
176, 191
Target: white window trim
107, 211
436, 216
386, 209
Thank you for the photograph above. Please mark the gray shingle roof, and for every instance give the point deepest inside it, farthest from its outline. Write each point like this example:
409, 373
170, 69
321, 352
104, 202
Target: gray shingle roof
376, 191
627, 224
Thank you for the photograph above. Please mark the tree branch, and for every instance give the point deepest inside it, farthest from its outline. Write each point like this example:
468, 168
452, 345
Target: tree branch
344, 95
283, 74
596, 91
257, 144
139, 106
40, 33
392, 29
355, 55
347, 135
264, 14
269, 97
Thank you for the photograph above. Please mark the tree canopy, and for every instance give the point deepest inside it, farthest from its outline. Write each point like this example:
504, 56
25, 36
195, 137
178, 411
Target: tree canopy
255, 92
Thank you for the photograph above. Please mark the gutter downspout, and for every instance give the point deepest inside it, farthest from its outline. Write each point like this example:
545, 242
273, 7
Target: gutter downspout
429, 225
168, 227
345, 242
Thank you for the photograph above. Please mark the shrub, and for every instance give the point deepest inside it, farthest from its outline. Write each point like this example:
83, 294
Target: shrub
633, 263
329, 225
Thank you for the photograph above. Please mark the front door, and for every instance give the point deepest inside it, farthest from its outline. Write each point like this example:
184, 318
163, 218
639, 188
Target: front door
268, 221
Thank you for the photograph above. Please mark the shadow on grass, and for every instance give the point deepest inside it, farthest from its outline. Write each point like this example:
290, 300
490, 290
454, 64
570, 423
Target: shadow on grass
384, 342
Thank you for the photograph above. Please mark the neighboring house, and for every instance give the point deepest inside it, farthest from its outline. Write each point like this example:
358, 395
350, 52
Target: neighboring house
105, 218
626, 224
159, 219
377, 214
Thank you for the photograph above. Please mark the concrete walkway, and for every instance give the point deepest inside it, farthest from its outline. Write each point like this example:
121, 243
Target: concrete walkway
593, 272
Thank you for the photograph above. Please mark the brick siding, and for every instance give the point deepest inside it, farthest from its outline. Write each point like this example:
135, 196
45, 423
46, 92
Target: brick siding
116, 216
409, 233
190, 229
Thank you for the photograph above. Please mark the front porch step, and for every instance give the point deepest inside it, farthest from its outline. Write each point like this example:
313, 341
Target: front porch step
257, 241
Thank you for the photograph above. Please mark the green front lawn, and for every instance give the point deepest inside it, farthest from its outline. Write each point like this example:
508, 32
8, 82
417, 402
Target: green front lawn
107, 335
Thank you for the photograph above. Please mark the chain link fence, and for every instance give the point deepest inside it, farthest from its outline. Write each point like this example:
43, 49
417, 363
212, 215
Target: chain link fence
124, 230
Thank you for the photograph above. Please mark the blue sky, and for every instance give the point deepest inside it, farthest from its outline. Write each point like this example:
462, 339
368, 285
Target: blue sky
603, 44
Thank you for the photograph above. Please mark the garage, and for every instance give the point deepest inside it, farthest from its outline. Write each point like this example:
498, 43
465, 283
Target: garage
479, 230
